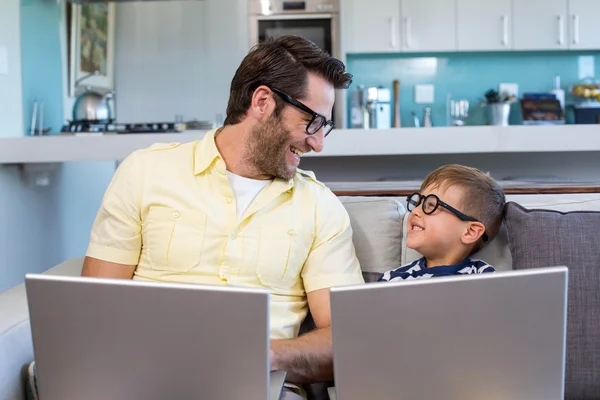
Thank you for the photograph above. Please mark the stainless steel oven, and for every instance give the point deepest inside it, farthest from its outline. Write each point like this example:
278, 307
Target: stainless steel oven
316, 20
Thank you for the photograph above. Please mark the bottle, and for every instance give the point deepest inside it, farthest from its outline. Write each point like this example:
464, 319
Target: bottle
427, 123
558, 92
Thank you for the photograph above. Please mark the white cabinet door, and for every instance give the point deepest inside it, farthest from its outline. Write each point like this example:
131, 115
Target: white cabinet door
540, 24
370, 27
484, 24
584, 24
429, 25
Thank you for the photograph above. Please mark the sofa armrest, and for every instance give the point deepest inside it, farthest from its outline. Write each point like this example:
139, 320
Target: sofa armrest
16, 349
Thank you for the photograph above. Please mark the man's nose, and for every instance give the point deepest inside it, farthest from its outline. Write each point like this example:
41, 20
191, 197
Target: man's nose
316, 141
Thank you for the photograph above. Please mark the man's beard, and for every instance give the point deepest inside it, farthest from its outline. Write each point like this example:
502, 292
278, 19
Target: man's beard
267, 148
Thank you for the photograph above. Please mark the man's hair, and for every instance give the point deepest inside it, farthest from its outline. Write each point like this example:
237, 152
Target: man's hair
284, 64
482, 197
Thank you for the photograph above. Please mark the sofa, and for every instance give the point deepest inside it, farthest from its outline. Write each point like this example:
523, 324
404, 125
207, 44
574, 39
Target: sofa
379, 226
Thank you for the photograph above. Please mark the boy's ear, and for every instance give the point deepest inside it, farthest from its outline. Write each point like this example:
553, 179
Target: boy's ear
473, 233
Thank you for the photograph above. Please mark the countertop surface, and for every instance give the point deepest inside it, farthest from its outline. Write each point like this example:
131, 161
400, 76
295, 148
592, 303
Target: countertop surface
340, 143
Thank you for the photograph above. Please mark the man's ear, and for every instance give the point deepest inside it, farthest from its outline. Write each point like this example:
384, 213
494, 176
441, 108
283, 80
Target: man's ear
473, 233
262, 103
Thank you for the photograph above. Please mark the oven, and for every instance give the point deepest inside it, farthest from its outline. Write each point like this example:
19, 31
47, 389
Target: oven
315, 20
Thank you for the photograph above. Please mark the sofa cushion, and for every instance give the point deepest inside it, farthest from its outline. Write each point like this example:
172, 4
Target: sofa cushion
541, 238
377, 233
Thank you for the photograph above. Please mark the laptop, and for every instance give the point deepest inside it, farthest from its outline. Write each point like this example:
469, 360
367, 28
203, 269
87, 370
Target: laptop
123, 339
485, 336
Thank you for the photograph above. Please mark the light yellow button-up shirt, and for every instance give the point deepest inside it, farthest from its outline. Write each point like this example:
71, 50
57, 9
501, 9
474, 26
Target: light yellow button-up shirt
170, 210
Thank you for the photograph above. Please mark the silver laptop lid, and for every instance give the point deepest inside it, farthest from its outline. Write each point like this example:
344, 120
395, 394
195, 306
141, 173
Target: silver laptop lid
123, 339
488, 336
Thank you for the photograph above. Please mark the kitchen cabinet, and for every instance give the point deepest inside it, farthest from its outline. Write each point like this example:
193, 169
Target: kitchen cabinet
370, 27
584, 26
540, 24
428, 25
484, 25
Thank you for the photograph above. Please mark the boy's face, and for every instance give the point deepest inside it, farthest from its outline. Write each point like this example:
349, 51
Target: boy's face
437, 235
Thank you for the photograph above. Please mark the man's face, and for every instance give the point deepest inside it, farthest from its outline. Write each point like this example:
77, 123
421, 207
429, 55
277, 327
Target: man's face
278, 142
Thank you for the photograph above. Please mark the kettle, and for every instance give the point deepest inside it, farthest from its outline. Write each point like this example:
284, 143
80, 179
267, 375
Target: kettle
91, 106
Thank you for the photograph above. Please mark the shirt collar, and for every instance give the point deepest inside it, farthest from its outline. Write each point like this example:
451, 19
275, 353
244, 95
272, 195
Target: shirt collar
464, 263
207, 153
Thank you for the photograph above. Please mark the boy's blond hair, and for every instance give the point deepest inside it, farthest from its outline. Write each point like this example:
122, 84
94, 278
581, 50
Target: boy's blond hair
482, 197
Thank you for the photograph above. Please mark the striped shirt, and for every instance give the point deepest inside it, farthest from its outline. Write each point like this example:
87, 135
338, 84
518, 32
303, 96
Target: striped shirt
418, 270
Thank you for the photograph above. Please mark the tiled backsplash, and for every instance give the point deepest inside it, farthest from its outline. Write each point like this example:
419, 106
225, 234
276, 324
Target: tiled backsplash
465, 75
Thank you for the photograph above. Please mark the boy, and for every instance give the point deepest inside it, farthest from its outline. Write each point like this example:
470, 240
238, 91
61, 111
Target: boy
457, 210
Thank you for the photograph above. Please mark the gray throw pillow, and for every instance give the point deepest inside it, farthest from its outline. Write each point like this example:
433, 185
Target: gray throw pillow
543, 238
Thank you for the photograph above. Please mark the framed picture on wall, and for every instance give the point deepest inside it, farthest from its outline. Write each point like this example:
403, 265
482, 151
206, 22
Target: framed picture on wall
91, 46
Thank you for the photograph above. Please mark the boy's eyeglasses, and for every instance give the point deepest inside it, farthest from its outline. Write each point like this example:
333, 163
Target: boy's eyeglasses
317, 121
432, 202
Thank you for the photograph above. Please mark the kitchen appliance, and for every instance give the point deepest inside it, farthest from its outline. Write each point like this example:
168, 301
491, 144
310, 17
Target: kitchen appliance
359, 114
383, 109
99, 127
370, 108
587, 112
91, 106
315, 20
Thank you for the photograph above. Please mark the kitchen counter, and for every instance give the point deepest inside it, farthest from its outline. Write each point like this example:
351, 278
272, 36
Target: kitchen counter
341, 143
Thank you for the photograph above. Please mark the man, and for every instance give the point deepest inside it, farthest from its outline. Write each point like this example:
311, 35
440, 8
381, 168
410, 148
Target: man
233, 208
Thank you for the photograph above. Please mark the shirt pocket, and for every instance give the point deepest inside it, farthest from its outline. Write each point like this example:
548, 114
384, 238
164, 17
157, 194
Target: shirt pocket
173, 238
281, 255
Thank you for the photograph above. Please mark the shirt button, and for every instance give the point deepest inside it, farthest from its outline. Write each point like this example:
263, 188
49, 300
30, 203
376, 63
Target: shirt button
233, 236
175, 214
292, 232
228, 200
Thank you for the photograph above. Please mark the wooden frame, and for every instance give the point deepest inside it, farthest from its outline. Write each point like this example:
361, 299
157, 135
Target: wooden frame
92, 46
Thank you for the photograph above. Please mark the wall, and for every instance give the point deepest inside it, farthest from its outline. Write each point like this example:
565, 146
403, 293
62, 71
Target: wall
465, 75
41, 61
30, 235
11, 106
174, 57
177, 58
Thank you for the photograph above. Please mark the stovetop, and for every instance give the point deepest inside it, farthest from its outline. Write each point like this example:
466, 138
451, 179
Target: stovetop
98, 127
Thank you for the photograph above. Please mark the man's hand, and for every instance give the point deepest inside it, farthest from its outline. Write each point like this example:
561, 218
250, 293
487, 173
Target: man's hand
104, 269
308, 358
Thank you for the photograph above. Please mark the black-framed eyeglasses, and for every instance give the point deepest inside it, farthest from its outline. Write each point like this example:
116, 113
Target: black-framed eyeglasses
432, 202
317, 120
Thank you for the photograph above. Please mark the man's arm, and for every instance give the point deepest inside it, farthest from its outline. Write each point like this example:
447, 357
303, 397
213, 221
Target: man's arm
331, 262
103, 269
308, 358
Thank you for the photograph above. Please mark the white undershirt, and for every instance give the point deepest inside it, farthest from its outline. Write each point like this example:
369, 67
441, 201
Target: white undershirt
245, 190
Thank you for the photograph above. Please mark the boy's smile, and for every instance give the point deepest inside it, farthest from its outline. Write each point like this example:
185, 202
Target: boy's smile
437, 236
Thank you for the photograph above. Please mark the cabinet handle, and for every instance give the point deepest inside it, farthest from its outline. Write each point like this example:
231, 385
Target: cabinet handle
408, 30
505, 30
575, 29
561, 30
392, 22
